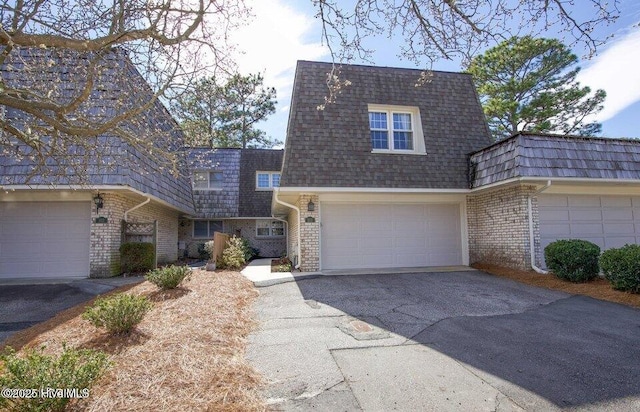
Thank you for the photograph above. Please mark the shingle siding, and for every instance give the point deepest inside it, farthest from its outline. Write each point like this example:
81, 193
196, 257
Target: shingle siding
549, 156
332, 147
216, 204
256, 203
115, 162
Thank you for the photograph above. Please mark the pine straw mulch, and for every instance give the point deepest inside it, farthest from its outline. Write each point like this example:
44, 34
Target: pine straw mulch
598, 288
187, 354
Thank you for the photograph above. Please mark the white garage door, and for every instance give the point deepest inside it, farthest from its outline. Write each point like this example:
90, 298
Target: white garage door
390, 235
607, 221
44, 239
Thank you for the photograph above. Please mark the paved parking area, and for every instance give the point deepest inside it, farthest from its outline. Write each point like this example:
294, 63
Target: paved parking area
443, 341
24, 303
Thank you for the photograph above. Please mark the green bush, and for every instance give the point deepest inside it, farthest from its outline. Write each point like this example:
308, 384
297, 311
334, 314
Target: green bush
117, 313
209, 247
574, 260
137, 257
73, 369
621, 267
234, 255
249, 252
168, 277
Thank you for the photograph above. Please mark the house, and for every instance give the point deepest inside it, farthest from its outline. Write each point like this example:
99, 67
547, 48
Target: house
65, 221
395, 174
232, 191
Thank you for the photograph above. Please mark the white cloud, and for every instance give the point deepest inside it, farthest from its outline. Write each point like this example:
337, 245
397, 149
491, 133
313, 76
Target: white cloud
616, 72
272, 42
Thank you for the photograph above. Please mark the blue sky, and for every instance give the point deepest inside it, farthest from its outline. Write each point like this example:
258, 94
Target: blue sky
283, 32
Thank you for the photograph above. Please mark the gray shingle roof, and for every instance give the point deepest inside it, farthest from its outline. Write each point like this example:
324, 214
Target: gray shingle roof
114, 162
548, 156
332, 148
255, 203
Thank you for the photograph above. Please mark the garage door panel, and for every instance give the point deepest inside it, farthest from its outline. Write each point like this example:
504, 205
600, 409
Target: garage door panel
553, 215
585, 214
615, 201
44, 239
607, 221
390, 235
617, 214
584, 201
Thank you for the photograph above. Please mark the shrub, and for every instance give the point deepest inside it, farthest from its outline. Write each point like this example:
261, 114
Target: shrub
574, 260
118, 313
73, 369
621, 267
209, 247
168, 277
137, 257
249, 252
234, 255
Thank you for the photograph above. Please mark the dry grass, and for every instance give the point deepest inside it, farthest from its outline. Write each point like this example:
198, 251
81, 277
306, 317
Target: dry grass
597, 288
187, 354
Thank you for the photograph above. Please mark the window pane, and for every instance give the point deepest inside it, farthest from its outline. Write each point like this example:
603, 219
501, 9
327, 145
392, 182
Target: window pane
263, 231
379, 139
403, 140
215, 180
401, 121
200, 180
215, 226
200, 228
277, 228
377, 120
263, 180
275, 179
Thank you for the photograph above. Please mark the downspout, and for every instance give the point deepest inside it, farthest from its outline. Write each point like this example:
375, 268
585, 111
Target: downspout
297, 209
135, 207
286, 225
532, 249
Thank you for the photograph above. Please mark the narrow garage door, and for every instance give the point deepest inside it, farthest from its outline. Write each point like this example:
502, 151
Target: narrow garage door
607, 221
44, 239
390, 235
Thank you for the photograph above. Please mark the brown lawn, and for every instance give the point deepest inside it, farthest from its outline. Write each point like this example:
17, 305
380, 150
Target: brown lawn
597, 288
187, 354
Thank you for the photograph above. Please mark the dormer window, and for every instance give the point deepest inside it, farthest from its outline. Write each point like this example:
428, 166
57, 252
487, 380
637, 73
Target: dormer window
267, 180
395, 129
208, 180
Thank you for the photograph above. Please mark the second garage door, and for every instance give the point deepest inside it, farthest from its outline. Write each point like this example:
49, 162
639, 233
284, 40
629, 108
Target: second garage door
44, 239
607, 221
390, 235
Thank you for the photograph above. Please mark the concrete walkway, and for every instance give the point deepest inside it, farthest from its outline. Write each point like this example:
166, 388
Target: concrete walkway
259, 272
456, 341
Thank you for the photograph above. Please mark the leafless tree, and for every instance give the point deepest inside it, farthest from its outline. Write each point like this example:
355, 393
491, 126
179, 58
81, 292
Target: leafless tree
452, 29
83, 80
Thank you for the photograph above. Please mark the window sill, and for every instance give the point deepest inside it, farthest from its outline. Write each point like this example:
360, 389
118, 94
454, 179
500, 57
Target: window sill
398, 152
264, 189
270, 237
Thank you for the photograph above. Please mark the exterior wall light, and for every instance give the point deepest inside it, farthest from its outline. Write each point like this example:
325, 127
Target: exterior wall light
311, 206
98, 201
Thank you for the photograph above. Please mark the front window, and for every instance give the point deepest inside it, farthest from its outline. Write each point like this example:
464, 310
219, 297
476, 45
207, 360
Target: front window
204, 229
208, 180
269, 228
267, 180
396, 134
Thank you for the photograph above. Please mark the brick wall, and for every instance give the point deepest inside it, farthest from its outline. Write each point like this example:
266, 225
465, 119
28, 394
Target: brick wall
309, 234
499, 227
106, 237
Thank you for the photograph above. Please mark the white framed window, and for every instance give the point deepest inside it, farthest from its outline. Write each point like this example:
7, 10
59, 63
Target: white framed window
395, 129
204, 229
269, 228
208, 180
267, 180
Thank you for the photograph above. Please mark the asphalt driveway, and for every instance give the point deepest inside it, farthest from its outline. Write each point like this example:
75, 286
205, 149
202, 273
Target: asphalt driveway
26, 304
443, 341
